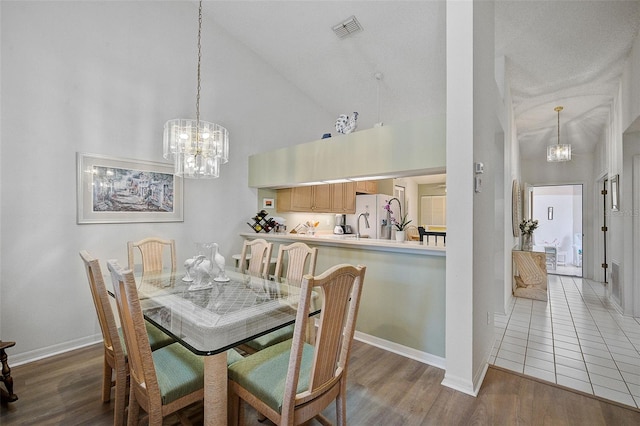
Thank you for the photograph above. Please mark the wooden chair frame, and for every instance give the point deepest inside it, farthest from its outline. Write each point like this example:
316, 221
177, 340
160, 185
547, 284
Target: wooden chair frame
260, 260
151, 252
342, 288
410, 232
114, 357
297, 255
144, 388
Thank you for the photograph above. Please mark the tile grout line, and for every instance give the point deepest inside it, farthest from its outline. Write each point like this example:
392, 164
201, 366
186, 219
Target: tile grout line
602, 302
576, 331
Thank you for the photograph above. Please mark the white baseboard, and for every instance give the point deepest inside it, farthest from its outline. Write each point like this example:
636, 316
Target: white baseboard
424, 357
463, 385
38, 354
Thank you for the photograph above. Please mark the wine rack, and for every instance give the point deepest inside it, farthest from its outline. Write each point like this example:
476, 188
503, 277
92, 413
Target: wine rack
261, 223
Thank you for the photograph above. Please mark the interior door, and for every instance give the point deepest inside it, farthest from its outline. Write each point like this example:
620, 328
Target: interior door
604, 229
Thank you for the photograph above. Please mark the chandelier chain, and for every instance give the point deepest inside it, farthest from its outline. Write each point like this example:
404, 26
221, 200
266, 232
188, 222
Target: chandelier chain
558, 109
198, 88
558, 127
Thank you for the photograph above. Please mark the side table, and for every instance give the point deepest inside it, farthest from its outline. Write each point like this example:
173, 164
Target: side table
530, 274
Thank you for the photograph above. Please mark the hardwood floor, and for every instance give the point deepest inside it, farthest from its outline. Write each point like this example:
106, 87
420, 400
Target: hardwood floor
384, 389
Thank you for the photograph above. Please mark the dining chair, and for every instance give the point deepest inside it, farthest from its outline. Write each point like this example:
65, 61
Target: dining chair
412, 233
115, 354
296, 255
293, 381
260, 260
164, 381
296, 258
152, 251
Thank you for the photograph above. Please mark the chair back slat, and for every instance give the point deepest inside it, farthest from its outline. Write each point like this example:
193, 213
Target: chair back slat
142, 372
296, 258
106, 318
260, 259
152, 252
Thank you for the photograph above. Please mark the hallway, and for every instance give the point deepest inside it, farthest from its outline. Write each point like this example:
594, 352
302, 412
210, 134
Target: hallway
577, 340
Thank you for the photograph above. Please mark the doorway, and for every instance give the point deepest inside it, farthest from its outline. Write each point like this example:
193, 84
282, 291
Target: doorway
558, 209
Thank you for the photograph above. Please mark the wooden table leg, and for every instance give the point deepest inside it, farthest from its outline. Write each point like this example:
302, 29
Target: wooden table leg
5, 374
215, 390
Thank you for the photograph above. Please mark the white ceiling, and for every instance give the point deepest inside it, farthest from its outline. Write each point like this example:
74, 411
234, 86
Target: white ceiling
567, 53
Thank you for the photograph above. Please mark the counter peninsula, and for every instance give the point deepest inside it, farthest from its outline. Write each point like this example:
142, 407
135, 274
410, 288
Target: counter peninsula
403, 299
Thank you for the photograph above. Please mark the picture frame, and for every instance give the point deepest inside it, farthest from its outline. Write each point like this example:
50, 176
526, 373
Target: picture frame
516, 207
122, 190
549, 213
615, 193
268, 203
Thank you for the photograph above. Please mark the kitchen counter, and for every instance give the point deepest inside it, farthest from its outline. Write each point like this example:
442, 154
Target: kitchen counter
350, 241
403, 300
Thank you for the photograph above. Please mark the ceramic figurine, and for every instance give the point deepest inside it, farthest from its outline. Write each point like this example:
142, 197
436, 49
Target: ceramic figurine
188, 266
219, 260
346, 124
202, 273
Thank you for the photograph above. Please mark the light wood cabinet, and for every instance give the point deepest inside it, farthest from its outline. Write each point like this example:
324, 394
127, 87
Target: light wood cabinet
302, 198
322, 196
367, 187
335, 198
344, 198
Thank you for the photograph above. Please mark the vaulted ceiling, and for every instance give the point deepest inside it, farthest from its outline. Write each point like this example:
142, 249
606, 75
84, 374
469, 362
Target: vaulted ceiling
568, 53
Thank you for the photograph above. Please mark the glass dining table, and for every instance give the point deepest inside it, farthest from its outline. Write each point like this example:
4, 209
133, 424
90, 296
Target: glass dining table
212, 318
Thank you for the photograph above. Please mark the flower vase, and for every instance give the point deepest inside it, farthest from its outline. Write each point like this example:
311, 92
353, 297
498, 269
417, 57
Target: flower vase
400, 236
526, 242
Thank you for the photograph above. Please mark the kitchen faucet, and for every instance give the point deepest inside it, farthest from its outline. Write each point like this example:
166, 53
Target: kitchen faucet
366, 223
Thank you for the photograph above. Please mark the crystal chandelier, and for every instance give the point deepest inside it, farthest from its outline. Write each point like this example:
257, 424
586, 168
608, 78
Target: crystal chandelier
558, 152
197, 147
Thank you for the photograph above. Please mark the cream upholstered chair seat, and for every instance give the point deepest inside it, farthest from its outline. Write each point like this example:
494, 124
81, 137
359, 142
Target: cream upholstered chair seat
164, 381
292, 382
115, 354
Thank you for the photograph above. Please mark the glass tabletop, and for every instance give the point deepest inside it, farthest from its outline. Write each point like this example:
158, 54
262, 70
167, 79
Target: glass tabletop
220, 315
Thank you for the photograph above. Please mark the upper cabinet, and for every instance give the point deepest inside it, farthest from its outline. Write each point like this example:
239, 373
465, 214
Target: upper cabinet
344, 198
335, 198
367, 187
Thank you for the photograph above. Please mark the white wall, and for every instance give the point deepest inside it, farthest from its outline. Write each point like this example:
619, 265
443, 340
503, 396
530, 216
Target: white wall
567, 210
103, 77
471, 137
630, 233
615, 156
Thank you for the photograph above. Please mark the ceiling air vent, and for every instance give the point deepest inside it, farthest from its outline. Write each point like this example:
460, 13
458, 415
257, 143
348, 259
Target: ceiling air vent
348, 27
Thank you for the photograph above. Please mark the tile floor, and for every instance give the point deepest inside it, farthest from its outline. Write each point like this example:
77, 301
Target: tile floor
576, 339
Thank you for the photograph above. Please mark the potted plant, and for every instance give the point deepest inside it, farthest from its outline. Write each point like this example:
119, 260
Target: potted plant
401, 224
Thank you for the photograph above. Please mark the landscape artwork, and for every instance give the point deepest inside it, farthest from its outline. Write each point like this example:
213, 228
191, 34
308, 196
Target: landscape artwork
120, 190
127, 190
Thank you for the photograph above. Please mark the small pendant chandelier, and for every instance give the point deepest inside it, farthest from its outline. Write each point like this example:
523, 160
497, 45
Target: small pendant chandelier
558, 152
197, 147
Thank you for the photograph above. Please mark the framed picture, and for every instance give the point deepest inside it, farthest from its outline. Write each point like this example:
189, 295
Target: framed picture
268, 203
516, 207
615, 194
550, 213
119, 190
